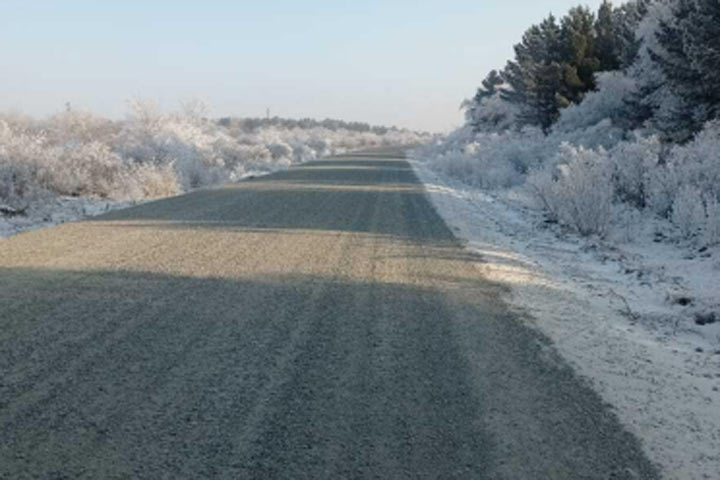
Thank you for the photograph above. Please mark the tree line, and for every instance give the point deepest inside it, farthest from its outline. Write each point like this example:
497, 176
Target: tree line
254, 124
668, 49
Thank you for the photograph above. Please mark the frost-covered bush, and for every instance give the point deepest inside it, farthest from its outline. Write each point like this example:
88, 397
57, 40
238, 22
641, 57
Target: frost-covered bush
698, 162
21, 153
684, 187
579, 182
599, 120
489, 160
662, 186
78, 127
577, 190
604, 134
152, 181
153, 153
15, 184
492, 113
687, 187
688, 211
711, 233
82, 169
183, 139
632, 162
476, 170
41, 160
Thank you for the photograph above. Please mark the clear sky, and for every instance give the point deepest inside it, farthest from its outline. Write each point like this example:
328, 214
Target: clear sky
403, 62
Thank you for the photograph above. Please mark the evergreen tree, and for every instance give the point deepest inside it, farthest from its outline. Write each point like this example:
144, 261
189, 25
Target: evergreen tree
489, 86
580, 61
640, 105
650, 101
556, 62
608, 43
554, 67
690, 60
626, 19
535, 75
488, 89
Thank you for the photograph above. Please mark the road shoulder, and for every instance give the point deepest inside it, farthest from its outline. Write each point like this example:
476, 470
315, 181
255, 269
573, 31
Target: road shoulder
665, 392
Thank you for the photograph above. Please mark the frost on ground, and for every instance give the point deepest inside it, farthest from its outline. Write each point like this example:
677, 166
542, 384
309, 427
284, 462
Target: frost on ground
633, 315
56, 210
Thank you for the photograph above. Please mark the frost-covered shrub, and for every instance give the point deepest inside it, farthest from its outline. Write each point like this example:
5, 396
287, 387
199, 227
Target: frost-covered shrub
632, 161
524, 150
661, 188
696, 215
489, 160
698, 162
599, 119
153, 153
711, 234
192, 145
15, 184
686, 188
78, 127
627, 223
152, 181
604, 134
280, 150
492, 113
577, 190
35, 161
579, 185
476, 170
83, 169
21, 152
688, 211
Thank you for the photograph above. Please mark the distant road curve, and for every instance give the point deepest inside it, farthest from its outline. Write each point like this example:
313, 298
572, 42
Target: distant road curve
320, 322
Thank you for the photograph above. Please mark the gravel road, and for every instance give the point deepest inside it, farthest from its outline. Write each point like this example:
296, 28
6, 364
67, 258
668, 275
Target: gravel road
321, 322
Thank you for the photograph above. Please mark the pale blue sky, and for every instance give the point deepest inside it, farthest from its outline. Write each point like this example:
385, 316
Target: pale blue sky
402, 62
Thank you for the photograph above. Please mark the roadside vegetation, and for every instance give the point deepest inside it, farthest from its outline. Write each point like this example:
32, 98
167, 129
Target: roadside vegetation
605, 118
587, 175
75, 158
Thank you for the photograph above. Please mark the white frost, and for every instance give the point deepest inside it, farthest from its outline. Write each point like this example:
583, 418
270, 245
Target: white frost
611, 308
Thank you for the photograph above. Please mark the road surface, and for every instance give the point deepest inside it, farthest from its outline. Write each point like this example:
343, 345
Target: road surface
321, 322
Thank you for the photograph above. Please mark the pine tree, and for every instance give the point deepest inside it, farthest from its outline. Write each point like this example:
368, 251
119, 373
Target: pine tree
648, 104
489, 86
626, 19
579, 63
488, 89
535, 75
556, 62
608, 43
690, 60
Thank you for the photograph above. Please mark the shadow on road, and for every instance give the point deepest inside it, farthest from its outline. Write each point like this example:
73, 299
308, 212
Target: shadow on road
108, 374
117, 373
